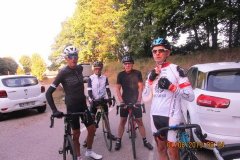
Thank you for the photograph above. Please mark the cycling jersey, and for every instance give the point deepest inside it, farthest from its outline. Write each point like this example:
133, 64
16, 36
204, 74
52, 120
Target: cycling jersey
72, 82
98, 85
165, 102
129, 83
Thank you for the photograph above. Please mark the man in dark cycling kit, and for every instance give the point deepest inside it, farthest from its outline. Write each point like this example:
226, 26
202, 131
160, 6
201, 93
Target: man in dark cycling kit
131, 83
71, 79
98, 88
166, 85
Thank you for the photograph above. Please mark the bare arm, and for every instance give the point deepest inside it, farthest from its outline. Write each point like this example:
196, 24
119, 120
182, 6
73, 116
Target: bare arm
140, 90
118, 92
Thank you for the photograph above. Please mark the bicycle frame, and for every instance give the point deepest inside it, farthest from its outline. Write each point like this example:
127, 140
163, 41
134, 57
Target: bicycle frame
186, 149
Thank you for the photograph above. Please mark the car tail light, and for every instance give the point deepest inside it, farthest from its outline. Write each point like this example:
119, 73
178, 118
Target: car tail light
211, 101
42, 89
3, 94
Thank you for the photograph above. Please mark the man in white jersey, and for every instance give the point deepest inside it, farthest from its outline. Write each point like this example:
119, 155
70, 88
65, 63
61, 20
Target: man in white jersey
166, 85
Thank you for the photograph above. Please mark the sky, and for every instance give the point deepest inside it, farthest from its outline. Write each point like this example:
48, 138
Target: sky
31, 26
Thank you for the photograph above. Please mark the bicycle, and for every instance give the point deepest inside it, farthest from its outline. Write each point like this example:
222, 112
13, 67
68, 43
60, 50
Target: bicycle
186, 147
105, 121
227, 152
131, 123
68, 146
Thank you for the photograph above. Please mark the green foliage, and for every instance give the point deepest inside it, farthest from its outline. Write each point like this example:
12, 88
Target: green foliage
108, 29
26, 63
8, 66
38, 66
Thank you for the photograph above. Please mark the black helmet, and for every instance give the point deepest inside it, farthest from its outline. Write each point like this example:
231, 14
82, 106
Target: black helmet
97, 64
161, 42
127, 58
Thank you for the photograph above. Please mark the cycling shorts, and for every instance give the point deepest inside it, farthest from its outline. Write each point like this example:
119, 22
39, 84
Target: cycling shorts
137, 112
75, 120
158, 122
93, 108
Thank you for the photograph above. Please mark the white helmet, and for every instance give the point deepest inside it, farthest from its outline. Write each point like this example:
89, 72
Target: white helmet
70, 50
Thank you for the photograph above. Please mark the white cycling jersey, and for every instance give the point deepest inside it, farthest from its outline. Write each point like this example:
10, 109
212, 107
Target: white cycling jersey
165, 102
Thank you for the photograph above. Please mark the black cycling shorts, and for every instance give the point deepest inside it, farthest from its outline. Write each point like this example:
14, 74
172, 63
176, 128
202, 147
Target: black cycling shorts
93, 108
137, 112
75, 120
160, 122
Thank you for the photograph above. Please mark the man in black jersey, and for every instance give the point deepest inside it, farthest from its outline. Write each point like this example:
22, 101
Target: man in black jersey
131, 83
71, 79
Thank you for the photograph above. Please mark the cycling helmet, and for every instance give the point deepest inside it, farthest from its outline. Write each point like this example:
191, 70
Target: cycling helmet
70, 50
127, 58
161, 42
97, 64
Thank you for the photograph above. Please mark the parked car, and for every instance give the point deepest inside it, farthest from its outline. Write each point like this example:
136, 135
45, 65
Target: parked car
87, 71
21, 92
216, 107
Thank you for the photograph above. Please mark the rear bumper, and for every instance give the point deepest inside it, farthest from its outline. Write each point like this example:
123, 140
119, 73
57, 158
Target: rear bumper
221, 138
7, 105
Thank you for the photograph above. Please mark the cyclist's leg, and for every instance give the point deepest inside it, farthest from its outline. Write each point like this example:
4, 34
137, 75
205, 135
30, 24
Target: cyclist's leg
75, 125
137, 112
172, 138
158, 122
123, 120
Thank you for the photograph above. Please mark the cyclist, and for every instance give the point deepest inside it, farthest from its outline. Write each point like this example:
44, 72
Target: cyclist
131, 83
71, 79
98, 87
166, 85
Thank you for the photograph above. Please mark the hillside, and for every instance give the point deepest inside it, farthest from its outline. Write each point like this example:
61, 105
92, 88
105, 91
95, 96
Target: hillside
145, 65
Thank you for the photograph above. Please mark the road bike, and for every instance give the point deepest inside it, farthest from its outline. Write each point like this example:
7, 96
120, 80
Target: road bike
101, 115
131, 123
68, 149
227, 152
186, 147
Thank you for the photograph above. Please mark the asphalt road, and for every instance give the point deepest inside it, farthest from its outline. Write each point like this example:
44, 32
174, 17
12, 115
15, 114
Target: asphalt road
26, 135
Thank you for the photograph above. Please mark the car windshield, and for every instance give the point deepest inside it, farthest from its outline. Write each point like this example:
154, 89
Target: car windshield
224, 81
19, 81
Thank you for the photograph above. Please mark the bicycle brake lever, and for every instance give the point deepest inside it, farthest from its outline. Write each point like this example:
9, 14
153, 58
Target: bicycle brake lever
52, 121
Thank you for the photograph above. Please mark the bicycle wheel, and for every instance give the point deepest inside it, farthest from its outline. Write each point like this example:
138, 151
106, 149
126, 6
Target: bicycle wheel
189, 155
68, 148
106, 131
132, 135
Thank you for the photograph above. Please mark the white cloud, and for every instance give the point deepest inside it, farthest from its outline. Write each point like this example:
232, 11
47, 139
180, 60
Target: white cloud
30, 26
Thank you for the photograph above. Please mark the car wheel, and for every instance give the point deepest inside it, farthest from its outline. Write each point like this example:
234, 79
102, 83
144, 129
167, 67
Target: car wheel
190, 132
41, 109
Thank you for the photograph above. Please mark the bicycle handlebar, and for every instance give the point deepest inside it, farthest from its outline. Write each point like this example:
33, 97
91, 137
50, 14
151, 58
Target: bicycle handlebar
69, 115
198, 130
106, 100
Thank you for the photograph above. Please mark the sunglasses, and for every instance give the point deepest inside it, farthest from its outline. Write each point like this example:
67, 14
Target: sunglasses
159, 51
72, 56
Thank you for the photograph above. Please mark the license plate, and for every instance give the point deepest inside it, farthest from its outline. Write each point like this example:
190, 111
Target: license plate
26, 104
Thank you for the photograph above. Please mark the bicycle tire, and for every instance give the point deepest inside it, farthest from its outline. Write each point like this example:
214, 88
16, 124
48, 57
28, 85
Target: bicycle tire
189, 155
132, 135
68, 148
106, 131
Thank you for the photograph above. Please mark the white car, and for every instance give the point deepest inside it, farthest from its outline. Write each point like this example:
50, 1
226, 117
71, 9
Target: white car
21, 92
216, 107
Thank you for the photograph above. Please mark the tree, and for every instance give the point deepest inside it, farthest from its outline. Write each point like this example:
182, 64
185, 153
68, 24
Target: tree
26, 63
20, 71
38, 66
10, 65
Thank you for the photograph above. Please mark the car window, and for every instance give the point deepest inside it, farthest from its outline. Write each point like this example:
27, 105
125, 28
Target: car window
224, 81
201, 80
192, 74
20, 81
